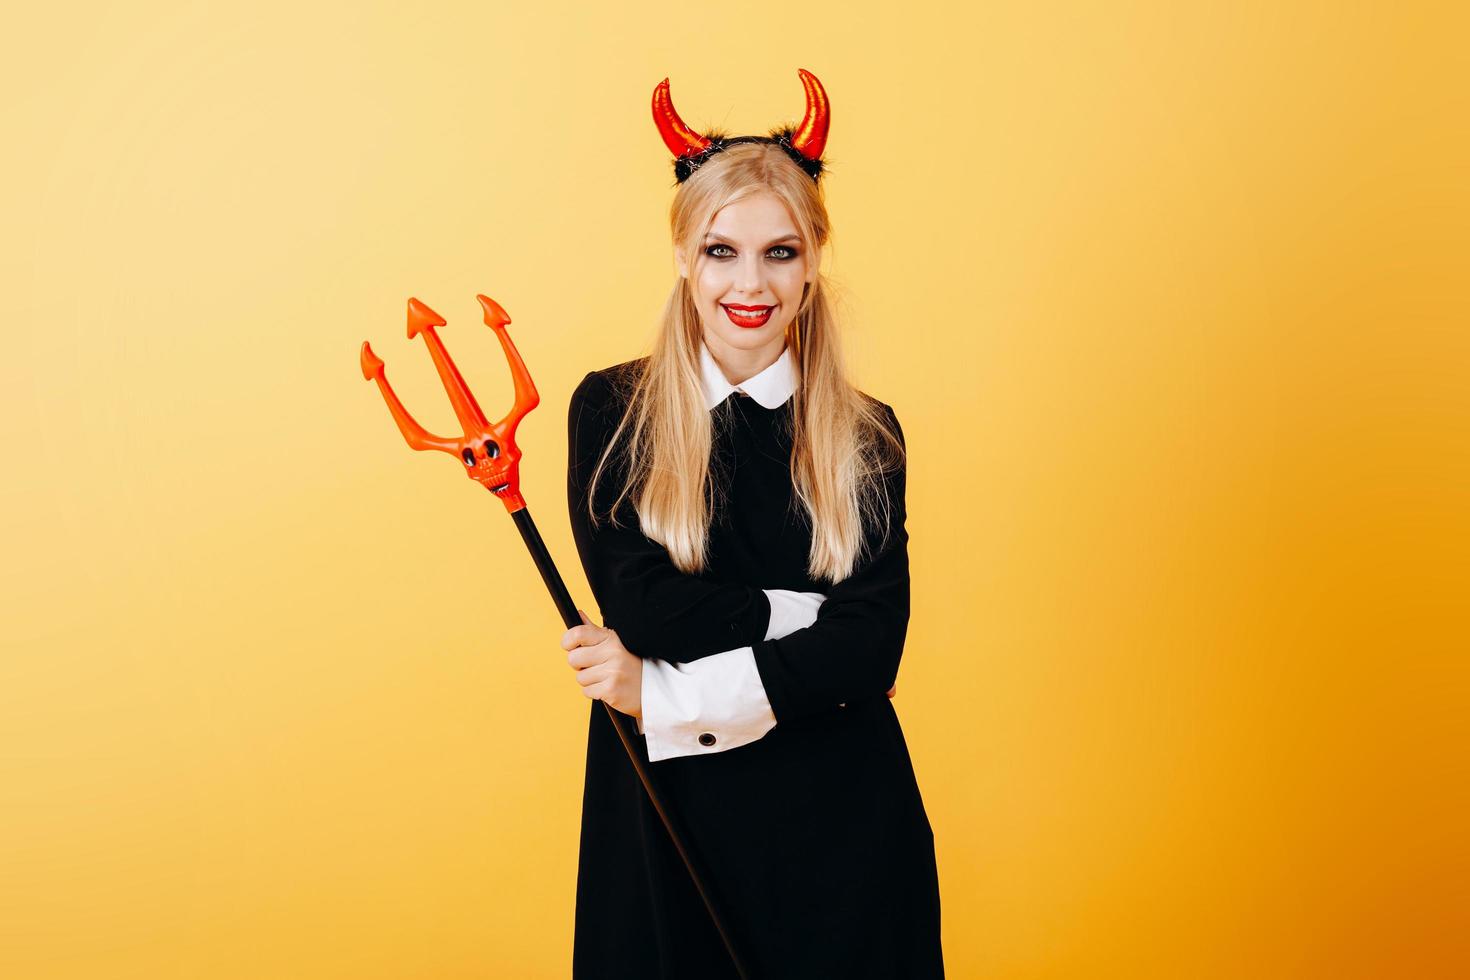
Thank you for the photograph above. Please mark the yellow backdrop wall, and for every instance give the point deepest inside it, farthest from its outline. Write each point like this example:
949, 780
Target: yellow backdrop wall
1170, 298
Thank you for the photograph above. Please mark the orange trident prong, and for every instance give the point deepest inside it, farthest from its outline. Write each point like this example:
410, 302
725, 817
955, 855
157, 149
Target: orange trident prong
488, 451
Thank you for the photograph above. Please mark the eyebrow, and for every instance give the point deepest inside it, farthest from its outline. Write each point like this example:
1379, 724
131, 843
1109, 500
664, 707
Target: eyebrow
716, 237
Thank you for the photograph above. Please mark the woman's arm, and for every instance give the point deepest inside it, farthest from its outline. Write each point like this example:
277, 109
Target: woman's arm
853, 649
657, 610
717, 703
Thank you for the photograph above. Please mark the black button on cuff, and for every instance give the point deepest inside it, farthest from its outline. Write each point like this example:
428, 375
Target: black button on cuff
706, 738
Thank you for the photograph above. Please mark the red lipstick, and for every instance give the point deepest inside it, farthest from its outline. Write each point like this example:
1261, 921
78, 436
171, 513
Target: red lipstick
747, 316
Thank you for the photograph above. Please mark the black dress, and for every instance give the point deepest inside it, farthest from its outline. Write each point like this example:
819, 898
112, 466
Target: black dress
813, 837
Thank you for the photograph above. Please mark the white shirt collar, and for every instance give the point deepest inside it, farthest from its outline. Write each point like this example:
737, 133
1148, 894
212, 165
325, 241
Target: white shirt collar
770, 388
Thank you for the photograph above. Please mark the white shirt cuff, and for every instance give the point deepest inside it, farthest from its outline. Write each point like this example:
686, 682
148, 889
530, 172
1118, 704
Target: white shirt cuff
717, 702
791, 611
709, 705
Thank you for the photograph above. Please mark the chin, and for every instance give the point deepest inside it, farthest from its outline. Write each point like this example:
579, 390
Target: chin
748, 339
720, 324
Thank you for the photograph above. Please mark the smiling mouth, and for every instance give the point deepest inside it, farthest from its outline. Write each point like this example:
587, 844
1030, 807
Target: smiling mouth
748, 316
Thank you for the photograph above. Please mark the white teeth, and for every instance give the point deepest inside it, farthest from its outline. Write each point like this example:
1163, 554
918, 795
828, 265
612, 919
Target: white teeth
751, 314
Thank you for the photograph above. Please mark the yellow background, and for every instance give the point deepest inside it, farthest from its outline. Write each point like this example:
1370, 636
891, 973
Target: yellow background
1170, 298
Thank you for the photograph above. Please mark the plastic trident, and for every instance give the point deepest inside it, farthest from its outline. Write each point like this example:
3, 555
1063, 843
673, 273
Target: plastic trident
489, 452
492, 459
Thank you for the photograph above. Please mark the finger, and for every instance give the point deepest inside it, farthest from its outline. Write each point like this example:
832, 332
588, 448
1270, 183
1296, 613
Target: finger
584, 657
893, 690
592, 675
575, 637
584, 635
594, 692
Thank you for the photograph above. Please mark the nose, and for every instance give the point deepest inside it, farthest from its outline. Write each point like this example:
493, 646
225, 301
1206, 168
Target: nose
751, 279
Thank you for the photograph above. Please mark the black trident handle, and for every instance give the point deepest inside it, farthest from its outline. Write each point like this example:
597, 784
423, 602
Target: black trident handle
569, 615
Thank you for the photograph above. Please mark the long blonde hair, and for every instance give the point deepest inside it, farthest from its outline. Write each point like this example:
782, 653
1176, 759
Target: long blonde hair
842, 440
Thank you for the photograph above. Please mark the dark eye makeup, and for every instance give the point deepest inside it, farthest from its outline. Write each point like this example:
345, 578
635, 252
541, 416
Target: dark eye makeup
792, 253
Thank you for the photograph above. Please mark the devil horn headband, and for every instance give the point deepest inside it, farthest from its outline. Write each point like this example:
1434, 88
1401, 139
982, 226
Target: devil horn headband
804, 143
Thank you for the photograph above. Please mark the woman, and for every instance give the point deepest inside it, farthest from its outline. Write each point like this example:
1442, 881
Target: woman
739, 510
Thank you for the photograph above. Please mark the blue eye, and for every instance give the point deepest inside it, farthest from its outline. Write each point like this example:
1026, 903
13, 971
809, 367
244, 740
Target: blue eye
791, 252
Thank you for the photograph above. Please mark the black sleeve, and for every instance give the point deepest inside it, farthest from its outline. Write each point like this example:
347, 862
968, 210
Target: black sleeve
657, 610
852, 651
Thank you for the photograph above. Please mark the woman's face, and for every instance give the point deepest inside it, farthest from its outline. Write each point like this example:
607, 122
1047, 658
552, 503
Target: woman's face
753, 258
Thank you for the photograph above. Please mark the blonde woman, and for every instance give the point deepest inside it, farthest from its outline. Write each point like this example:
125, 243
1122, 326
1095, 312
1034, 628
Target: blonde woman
738, 506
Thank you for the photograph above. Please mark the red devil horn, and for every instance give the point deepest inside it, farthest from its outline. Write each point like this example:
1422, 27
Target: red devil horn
679, 138
811, 135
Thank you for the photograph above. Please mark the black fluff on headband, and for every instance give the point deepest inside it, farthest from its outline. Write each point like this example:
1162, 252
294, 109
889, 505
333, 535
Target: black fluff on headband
685, 166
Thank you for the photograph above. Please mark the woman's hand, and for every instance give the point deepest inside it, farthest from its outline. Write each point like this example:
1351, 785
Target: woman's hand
605, 668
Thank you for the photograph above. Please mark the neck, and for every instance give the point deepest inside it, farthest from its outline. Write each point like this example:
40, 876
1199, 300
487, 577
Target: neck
739, 365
